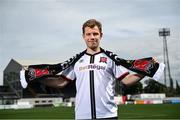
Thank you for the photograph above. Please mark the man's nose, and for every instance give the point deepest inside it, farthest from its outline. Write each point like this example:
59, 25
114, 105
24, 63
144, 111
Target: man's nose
92, 36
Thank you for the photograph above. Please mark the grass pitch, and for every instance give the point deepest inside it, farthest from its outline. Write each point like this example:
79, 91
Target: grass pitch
161, 111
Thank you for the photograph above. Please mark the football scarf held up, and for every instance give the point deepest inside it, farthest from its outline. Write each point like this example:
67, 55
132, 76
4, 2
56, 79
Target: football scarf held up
145, 66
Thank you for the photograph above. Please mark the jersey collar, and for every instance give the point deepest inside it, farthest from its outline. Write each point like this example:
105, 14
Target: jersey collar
101, 51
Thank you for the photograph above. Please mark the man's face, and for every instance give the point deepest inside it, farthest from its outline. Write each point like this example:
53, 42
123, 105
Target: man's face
92, 37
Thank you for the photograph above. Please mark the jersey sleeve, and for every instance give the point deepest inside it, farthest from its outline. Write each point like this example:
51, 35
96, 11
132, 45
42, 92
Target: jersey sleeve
69, 74
120, 72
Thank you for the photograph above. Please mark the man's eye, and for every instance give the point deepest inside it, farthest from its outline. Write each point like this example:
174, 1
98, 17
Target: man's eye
95, 34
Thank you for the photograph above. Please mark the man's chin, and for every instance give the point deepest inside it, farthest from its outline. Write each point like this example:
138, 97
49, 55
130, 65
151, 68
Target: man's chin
94, 47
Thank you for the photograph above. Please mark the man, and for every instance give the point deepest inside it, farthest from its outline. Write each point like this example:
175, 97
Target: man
95, 73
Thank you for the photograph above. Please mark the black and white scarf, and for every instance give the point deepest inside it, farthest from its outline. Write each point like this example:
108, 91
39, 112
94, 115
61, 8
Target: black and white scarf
145, 66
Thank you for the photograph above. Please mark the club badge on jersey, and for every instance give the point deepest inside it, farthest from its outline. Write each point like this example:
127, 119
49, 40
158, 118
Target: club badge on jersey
103, 59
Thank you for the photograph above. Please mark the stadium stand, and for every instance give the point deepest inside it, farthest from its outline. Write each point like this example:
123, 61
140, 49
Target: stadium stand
7, 97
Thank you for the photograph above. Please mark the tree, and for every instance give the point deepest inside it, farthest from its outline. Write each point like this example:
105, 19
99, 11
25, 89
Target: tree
154, 87
134, 89
122, 89
177, 88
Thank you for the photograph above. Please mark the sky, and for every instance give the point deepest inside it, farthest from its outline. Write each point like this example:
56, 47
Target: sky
49, 31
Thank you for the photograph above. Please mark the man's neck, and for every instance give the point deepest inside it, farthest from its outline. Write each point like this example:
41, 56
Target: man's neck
93, 51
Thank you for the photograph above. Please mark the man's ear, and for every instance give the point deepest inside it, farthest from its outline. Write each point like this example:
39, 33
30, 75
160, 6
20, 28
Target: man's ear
83, 36
101, 35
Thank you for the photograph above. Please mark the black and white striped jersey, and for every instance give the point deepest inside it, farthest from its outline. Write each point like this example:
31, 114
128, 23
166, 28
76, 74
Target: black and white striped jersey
95, 77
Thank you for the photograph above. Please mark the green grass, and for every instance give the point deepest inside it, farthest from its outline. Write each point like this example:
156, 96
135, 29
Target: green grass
161, 111
164, 111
